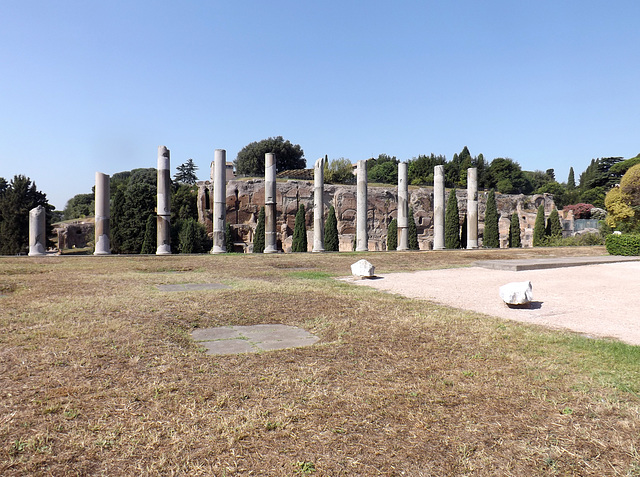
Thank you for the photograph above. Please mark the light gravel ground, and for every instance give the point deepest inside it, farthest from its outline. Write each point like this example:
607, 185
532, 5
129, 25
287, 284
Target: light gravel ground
595, 300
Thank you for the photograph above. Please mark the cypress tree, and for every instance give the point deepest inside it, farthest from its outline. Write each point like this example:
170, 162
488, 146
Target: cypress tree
228, 238
491, 237
463, 233
554, 227
514, 231
392, 235
150, 237
413, 232
188, 237
258, 237
299, 243
571, 181
452, 222
539, 228
331, 242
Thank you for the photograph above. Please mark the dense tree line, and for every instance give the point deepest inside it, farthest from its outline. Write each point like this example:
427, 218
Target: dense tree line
17, 198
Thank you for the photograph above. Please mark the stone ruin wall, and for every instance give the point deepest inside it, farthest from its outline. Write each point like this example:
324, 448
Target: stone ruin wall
245, 197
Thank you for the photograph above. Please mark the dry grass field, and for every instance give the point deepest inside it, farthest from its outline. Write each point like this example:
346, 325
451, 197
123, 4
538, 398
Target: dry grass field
99, 375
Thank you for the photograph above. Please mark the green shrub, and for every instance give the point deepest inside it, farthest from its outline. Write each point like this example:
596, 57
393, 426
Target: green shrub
554, 227
299, 243
190, 237
258, 237
491, 236
331, 242
228, 237
413, 232
625, 244
452, 222
539, 228
150, 235
392, 235
515, 240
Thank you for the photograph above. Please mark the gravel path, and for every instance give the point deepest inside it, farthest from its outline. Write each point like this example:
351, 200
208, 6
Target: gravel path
596, 300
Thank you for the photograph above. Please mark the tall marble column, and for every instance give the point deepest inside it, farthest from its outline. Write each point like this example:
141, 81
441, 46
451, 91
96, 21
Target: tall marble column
270, 244
403, 207
318, 206
102, 225
219, 200
164, 203
438, 208
472, 208
37, 231
362, 235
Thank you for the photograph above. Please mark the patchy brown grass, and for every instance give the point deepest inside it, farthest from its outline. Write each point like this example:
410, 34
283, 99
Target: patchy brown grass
98, 375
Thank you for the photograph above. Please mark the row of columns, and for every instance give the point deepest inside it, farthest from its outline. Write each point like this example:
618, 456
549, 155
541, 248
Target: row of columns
37, 240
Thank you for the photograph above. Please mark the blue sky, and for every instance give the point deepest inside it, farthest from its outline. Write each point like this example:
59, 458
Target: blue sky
96, 86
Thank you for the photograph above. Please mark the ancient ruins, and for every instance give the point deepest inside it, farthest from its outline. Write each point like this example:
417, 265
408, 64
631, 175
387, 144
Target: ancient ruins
363, 212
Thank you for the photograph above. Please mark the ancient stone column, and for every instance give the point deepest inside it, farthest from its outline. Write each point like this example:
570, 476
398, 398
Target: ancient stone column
438, 208
163, 210
362, 235
37, 231
102, 225
270, 244
472, 208
219, 200
403, 207
318, 206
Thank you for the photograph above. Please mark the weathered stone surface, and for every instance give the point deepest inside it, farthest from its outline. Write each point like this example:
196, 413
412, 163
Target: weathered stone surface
403, 207
517, 293
163, 209
362, 212
318, 206
102, 215
37, 232
270, 204
363, 268
219, 201
438, 207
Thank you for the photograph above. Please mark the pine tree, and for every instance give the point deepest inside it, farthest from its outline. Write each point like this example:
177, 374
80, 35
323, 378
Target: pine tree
539, 228
299, 243
186, 173
491, 237
554, 227
228, 238
150, 235
571, 181
392, 235
413, 232
331, 242
258, 237
514, 231
452, 222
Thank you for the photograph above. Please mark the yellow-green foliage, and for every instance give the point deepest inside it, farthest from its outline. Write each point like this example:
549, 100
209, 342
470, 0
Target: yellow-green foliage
617, 207
630, 185
622, 202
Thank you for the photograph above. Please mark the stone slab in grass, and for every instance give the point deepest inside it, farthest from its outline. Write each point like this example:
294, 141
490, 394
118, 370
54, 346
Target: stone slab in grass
192, 287
252, 339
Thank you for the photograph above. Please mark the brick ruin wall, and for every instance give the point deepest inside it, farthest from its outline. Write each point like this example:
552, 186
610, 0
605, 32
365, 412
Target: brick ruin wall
245, 197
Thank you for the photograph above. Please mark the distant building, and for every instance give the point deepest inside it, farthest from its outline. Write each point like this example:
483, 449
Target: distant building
231, 175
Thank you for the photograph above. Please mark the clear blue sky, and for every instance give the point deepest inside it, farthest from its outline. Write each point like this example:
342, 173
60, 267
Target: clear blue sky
96, 86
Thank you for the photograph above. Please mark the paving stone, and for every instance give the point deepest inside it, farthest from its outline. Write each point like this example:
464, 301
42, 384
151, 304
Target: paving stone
212, 334
192, 287
228, 347
247, 339
286, 343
